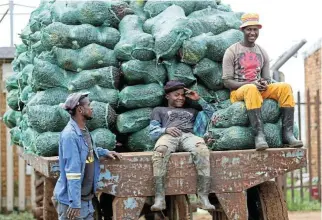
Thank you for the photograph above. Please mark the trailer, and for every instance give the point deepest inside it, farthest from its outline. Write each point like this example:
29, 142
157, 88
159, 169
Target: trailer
241, 189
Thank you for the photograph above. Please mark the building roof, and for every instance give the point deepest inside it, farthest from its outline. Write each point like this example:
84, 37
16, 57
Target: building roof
313, 48
7, 52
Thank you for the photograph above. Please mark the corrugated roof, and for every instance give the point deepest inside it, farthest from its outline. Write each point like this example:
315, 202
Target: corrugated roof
7, 52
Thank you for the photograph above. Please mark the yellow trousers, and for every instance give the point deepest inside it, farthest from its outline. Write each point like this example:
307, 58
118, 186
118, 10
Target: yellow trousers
281, 92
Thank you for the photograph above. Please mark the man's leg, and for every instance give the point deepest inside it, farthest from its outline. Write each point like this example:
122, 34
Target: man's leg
253, 100
282, 92
160, 158
200, 155
87, 210
62, 211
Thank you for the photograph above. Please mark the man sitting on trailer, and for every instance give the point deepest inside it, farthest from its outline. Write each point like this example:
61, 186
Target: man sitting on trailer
78, 162
172, 128
246, 74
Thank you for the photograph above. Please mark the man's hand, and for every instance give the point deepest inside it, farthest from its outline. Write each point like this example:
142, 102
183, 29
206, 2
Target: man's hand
173, 131
72, 213
193, 95
114, 155
261, 87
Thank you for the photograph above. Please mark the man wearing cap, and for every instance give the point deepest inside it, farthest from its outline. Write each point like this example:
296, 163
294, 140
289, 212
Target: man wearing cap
78, 162
246, 74
172, 128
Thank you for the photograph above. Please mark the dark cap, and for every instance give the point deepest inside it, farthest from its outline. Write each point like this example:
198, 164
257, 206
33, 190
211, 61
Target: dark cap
73, 100
173, 85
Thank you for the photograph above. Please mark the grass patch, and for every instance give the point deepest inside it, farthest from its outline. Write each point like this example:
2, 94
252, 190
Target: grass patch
17, 216
301, 205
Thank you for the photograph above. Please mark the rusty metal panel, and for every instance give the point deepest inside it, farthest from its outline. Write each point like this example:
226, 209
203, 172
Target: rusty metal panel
234, 205
231, 171
127, 208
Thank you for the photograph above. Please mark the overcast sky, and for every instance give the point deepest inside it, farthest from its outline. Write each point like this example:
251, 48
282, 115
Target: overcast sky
285, 22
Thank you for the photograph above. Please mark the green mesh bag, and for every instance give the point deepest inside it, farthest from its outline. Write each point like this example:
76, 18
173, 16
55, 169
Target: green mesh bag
12, 82
138, 8
47, 75
209, 73
89, 57
203, 92
153, 8
11, 118
139, 96
179, 71
212, 20
23, 60
52, 96
24, 35
232, 138
24, 123
101, 94
234, 115
209, 46
221, 95
224, 7
104, 138
41, 16
133, 120
107, 77
169, 30
270, 111
28, 138
20, 48
15, 136
26, 94
140, 141
134, 43
25, 75
44, 118
13, 100
47, 144
273, 135
77, 36
221, 105
97, 13
104, 116
145, 72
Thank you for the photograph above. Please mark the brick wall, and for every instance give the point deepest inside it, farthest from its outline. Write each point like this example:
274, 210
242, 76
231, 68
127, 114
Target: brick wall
313, 83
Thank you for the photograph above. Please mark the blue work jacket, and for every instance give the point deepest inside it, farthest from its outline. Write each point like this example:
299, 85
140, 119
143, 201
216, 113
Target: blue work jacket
73, 151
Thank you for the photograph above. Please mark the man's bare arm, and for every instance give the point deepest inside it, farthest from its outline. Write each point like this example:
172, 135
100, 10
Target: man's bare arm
233, 84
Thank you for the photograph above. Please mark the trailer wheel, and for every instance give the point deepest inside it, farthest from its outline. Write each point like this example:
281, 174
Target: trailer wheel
266, 202
179, 208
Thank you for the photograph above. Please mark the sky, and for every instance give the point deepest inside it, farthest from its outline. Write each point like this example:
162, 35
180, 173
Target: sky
285, 22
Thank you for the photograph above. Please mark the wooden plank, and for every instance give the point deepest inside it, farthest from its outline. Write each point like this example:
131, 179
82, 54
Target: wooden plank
232, 171
33, 189
22, 181
9, 156
300, 137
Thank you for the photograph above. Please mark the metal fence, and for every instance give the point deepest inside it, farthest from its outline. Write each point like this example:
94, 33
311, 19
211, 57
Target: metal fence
305, 184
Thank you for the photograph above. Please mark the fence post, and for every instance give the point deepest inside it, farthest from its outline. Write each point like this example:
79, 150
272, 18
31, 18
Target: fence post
318, 130
300, 137
308, 103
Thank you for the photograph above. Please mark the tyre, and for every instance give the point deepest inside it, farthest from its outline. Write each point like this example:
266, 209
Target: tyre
266, 202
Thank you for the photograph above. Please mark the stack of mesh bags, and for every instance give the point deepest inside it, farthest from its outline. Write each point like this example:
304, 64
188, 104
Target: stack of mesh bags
122, 52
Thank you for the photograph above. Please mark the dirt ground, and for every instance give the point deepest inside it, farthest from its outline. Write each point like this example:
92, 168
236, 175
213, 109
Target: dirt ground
292, 216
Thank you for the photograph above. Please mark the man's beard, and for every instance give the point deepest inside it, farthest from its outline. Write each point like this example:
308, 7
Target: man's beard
88, 117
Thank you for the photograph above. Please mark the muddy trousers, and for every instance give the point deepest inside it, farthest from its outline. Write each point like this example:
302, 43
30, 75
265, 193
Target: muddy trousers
281, 92
187, 142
